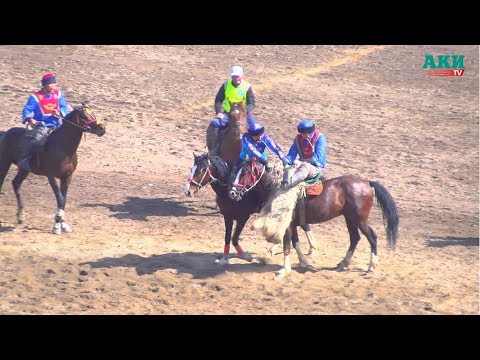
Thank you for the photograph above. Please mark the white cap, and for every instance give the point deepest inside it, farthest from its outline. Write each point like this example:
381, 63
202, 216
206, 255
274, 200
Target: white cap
236, 71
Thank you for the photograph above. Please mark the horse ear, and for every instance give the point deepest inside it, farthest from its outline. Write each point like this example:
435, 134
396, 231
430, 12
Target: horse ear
196, 154
85, 103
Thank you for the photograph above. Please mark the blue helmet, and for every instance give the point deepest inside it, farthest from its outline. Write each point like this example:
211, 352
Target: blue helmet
306, 126
256, 129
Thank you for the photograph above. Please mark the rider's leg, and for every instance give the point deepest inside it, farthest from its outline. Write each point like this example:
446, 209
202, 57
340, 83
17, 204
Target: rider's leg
214, 134
32, 138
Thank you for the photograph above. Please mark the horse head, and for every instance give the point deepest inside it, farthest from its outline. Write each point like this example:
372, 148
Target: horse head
84, 118
238, 118
206, 169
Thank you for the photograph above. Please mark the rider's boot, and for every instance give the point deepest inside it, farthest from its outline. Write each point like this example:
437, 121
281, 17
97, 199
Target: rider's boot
296, 179
23, 159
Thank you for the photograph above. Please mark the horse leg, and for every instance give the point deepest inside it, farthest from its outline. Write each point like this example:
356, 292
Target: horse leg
228, 220
372, 239
296, 244
17, 183
236, 237
64, 183
311, 241
3, 173
354, 238
287, 265
61, 197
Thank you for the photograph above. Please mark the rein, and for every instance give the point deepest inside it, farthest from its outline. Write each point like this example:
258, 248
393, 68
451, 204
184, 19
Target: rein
86, 124
243, 189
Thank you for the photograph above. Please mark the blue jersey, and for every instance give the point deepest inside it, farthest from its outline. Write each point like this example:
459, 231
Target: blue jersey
258, 149
319, 156
41, 109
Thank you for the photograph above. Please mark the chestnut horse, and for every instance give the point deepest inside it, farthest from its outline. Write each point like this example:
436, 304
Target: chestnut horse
348, 195
215, 171
231, 136
56, 160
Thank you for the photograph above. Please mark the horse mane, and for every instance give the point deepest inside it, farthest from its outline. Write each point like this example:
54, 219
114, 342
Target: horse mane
221, 166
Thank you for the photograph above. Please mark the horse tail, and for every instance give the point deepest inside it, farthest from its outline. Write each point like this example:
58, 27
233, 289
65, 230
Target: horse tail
389, 212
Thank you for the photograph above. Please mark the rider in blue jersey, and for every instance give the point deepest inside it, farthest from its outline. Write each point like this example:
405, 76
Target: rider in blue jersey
254, 145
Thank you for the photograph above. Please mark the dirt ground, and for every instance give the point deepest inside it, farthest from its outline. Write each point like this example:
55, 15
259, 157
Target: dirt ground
140, 246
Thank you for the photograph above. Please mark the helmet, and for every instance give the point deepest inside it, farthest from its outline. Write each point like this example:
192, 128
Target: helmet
236, 71
306, 126
256, 129
48, 78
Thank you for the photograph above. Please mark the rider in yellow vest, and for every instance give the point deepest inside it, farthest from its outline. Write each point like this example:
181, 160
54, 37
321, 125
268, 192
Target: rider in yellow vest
237, 89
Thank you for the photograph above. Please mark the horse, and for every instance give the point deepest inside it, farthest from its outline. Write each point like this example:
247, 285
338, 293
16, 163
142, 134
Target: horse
231, 136
215, 171
57, 159
347, 195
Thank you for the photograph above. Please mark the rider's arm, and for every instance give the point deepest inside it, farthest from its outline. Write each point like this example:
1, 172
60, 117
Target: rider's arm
251, 149
272, 145
292, 153
250, 100
62, 103
29, 109
219, 99
320, 156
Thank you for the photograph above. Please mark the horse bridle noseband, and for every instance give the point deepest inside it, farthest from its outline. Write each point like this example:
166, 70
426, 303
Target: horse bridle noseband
207, 171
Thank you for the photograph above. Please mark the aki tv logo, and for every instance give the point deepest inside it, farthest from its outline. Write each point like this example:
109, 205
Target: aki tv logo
444, 65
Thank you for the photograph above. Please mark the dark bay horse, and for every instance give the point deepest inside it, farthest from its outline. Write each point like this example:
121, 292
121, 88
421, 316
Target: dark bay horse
230, 143
348, 195
57, 160
215, 171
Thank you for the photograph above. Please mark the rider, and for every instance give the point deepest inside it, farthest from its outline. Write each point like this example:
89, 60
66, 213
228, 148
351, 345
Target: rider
311, 146
41, 113
254, 145
237, 89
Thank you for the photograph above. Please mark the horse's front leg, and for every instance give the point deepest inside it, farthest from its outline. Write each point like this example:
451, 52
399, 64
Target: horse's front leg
287, 265
236, 237
228, 220
17, 183
61, 197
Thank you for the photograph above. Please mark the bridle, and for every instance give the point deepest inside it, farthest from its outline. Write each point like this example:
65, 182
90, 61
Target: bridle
207, 171
239, 189
86, 120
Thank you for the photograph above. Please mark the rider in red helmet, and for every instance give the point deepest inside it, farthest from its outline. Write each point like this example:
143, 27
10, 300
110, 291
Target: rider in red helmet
41, 113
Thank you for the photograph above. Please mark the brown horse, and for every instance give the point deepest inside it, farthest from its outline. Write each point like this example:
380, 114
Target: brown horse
231, 136
215, 171
348, 195
56, 160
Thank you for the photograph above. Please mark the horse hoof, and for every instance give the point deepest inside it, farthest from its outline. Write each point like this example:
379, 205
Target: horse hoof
57, 229
263, 261
280, 274
222, 261
246, 256
65, 227
341, 267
